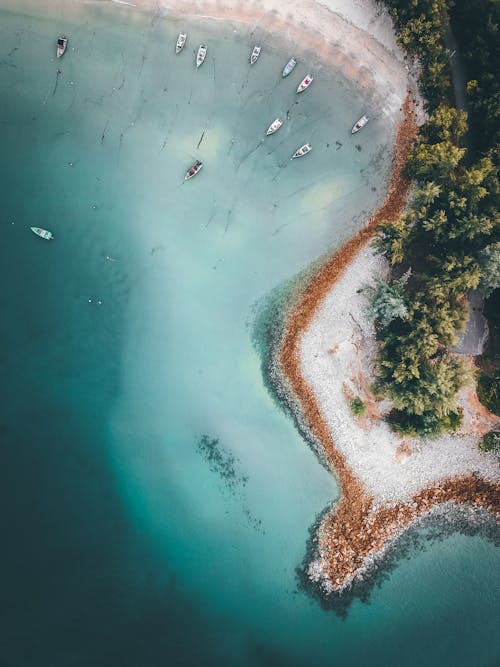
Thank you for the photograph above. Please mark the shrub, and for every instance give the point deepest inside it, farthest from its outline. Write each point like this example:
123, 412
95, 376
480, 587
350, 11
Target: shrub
428, 424
358, 407
490, 442
488, 392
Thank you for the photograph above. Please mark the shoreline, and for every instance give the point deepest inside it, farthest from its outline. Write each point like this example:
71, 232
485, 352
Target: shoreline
361, 526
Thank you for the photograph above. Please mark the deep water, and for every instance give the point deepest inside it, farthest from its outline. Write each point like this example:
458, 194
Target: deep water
155, 501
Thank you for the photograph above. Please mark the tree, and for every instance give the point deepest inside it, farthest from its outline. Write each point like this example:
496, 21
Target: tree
392, 239
489, 261
438, 383
445, 124
433, 161
426, 194
388, 300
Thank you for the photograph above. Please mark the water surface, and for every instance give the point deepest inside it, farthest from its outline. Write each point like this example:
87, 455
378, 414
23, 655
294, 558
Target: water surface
156, 502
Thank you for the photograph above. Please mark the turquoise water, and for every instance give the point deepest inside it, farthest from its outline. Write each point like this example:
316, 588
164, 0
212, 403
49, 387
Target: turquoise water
156, 503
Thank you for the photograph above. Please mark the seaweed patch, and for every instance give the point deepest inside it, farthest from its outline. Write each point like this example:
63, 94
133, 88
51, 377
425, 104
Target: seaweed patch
226, 466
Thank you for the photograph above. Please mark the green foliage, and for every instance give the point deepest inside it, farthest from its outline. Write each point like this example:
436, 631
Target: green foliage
445, 124
488, 392
448, 235
421, 25
428, 425
476, 26
358, 407
490, 442
433, 161
393, 239
489, 259
426, 195
418, 385
388, 301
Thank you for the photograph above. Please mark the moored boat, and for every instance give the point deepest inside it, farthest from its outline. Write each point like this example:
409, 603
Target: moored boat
62, 43
274, 127
201, 55
303, 150
181, 41
255, 54
42, 233
305, 83
193, 170
288, 68
360, 124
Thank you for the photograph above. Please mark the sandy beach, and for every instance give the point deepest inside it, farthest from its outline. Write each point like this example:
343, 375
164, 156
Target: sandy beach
354, 38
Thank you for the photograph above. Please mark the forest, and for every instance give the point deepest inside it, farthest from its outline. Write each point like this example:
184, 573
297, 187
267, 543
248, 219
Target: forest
447, 242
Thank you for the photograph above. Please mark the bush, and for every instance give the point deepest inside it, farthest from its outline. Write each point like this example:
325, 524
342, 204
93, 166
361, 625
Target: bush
488, 392
358, 407
490, 442
428, 424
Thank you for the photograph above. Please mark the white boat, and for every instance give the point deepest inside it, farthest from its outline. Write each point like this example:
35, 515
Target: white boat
193, 170
288, 68
181, 41
305, 83
62, 43
42, 233
360, 124
255, 54
274, 127
303, 150
201, 55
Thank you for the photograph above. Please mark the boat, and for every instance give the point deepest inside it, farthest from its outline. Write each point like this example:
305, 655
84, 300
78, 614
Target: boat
181, 41
255, 54
201, 55
274, 127
360, 124
288, 68
305, 83
62, 43
303, 150
193, 170
42, 233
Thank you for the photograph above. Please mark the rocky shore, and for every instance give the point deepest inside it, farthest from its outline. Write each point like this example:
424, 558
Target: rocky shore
385, 484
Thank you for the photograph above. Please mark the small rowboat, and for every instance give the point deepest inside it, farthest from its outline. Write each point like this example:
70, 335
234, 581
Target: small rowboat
360, 124
181, 41
305, 83
289, 67
193, 170
255, 54
201, 55
274, 127
303, 150
62, 43
42, 233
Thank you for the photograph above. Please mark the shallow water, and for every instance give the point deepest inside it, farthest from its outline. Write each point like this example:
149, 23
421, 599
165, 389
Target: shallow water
156, 501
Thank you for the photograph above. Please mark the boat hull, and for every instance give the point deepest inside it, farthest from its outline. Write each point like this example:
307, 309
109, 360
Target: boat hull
303, 150
193, 170
201, 55
181, 42
62, 44
289, 67
359, 125
42, 233
255, 55
305, 83
274, 127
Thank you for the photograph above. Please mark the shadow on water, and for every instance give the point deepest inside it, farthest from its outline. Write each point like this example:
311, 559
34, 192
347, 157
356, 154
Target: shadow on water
440, 524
